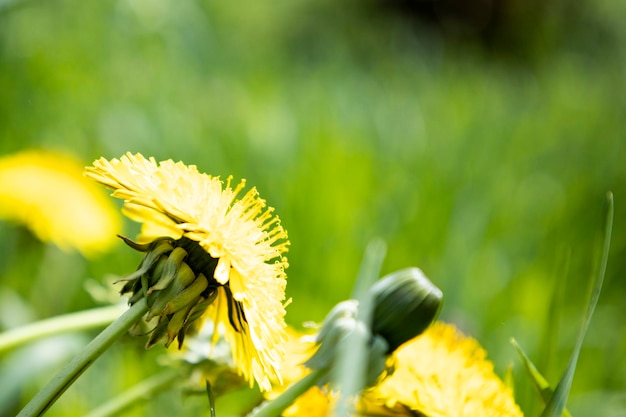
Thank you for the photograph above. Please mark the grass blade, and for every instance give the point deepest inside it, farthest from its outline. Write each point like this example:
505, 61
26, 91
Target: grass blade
541, 384
351, 366
556, 405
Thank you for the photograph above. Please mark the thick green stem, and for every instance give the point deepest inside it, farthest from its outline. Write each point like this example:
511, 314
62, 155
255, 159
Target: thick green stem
276, 406
142, 391
66, 376
66, 323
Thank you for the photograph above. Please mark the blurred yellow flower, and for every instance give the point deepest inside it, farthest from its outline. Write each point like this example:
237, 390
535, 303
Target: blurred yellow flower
174, 200
315, 402
48, 193
440, 373
443, 373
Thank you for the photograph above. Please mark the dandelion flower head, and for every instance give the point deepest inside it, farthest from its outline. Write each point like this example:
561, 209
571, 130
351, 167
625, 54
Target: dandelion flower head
47, 192
175, 200
443, 373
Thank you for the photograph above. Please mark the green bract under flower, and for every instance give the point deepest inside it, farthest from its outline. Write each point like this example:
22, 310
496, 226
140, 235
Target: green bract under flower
245, 285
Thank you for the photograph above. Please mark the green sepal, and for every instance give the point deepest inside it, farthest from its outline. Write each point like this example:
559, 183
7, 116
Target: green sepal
191, 325
170, 268
152, 257
177, 322
187, 296
145, 247
159, 332
184, 278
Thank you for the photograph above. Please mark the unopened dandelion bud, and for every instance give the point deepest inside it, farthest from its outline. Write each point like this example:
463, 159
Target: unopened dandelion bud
405, 303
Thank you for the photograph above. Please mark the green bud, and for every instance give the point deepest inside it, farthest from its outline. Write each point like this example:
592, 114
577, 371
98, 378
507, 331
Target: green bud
405, 303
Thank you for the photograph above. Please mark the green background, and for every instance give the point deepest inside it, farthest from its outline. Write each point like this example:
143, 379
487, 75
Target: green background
481, 152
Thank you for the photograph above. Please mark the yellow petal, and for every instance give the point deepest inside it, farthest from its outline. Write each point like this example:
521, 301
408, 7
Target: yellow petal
222, 270
237, 285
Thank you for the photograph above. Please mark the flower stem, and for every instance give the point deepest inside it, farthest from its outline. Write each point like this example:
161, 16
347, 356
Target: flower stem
276, 406
142, 391
351, 366
66, 323
66, 376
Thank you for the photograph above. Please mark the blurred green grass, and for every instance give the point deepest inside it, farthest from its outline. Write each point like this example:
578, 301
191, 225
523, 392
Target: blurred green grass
484, 172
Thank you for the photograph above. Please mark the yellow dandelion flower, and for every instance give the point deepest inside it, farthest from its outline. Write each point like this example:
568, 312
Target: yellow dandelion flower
48, 193
241, 237
443, 373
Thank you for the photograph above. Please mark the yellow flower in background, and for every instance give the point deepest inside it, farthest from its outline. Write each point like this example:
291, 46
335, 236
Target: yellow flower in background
443, 373
48, 193
440, 373
171, 199
315, 402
